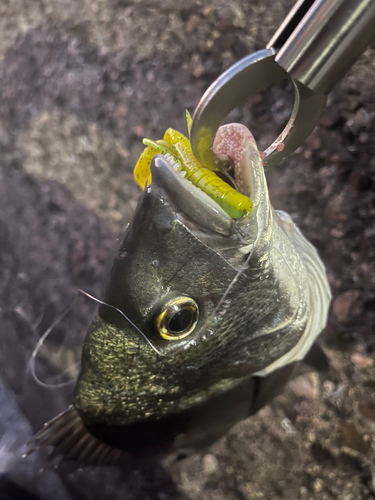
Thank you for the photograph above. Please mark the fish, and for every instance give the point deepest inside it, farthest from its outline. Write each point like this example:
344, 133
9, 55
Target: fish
203, 318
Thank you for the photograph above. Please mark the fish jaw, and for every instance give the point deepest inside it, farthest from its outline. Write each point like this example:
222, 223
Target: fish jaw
236, 143
191, 202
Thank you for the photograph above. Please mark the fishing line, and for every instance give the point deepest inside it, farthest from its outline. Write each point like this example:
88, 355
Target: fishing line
38, 320
225, 294
232, 180
127, 319
31, 363
235, 279
230, 286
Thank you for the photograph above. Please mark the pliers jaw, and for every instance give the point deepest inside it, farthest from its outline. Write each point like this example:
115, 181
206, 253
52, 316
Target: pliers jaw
252, 74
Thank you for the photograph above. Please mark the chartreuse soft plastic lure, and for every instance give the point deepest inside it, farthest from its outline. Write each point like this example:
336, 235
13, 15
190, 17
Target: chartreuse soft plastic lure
178, 146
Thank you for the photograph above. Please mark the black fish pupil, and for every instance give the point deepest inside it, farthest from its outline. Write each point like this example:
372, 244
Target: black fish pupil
180, 321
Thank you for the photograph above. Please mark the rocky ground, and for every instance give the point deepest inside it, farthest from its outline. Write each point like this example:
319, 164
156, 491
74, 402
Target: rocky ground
81, 82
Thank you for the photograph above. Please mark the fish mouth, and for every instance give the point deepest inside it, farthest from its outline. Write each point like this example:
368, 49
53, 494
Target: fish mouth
234, 143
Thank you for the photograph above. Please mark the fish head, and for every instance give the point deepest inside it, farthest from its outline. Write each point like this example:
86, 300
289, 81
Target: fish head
197, 303
193, 300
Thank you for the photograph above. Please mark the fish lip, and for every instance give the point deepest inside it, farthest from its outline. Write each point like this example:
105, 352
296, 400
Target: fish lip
191, 202
237, 143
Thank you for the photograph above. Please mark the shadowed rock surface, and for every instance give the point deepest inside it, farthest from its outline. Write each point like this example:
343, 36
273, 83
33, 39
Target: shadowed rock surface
81, 83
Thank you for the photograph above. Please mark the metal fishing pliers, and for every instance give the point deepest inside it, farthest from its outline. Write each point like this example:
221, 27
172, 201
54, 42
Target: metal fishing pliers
314, 46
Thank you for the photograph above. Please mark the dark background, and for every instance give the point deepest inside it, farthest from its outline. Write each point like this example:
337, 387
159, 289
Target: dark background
81, 83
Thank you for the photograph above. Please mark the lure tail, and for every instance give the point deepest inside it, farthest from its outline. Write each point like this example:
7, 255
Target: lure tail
175, 144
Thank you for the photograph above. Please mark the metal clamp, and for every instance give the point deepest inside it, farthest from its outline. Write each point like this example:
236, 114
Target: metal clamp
315, 45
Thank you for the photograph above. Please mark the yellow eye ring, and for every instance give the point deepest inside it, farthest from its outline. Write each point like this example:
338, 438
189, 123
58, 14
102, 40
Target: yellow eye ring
177, 319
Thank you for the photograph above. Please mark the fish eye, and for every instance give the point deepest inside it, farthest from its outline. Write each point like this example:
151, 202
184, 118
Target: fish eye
177, 319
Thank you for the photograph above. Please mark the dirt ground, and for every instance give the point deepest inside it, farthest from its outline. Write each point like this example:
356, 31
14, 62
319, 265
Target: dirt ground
81, 82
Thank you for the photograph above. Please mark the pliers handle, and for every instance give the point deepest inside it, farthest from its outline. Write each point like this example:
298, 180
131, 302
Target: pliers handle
314, 47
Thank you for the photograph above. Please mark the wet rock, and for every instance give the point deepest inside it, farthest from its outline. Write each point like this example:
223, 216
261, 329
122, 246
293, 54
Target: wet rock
210, 464
92, 167
361, 360
231, 15
362, 118
368, 410
208, 10
196, 66
352, 438
313, 141
318, 485
192, 23
350, 463
343, 305
306, 386
322, 455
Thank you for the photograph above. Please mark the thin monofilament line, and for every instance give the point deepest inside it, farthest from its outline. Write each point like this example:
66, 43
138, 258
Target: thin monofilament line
225, 294
231, 179
235, 279
214, 313
127, 319
39, 344
38, 320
